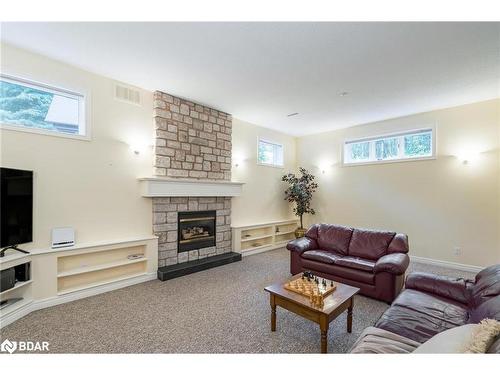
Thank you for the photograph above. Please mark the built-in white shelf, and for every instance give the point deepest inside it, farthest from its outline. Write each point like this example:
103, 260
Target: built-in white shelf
96, 244
257, 238
18, 285
246, 239
85, 269
99, 283
287, 232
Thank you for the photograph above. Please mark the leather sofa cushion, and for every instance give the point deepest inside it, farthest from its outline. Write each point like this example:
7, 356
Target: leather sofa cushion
399, 244
489, 309
444, 286
419, 316
370, 244
339, 271
329, 237
487, 285
356, 263
320, 256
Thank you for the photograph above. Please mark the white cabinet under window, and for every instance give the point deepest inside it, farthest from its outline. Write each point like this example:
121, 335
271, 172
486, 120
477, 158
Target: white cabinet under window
40, 108
410, 145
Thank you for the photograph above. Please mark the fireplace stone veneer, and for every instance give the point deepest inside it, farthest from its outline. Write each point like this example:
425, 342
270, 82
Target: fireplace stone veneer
192, 140
165, 226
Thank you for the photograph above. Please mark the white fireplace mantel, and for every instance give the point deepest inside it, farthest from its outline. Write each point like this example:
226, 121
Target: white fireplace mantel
176, 187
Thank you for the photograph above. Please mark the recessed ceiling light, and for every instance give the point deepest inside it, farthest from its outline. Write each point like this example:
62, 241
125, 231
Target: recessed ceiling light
292, 114
343, 93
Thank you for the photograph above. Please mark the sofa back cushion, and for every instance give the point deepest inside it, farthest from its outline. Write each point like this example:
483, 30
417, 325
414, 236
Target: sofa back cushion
370, 244
399, 244
334, 238
486, 286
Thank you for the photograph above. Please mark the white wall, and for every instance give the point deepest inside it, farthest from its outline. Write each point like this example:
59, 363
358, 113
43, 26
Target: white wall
440, 204
89, 185
263, 193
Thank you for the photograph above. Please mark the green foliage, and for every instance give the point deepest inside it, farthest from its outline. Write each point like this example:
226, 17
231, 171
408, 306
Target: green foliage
265, 154
360, 151
26, 106
418, 144
300, 192
386, 148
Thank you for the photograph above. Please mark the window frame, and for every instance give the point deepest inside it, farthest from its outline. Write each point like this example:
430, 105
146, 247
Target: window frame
433, 156
273, 143
83, 97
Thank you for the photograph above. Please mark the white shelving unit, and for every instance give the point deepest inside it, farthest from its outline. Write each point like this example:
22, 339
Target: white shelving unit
82, 270
257, 238
22, 289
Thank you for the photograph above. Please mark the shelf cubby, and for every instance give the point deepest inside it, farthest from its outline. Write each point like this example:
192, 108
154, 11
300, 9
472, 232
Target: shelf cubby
256, 238
86, 270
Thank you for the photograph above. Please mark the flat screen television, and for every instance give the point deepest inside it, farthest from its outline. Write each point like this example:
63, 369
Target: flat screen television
16, 207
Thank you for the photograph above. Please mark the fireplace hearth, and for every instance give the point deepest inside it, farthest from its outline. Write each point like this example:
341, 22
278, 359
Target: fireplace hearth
196, 230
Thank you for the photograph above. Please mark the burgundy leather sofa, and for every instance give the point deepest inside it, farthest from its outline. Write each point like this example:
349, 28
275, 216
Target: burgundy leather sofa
374, 261
431, 304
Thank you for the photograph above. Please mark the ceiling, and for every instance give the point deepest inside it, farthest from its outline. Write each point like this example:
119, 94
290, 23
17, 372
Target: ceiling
261, 72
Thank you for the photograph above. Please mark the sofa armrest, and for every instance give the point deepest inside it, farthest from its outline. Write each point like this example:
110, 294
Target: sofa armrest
302, 244
396, 263
443, 286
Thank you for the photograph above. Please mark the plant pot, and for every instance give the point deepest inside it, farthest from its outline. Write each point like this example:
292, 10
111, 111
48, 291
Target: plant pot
300, 232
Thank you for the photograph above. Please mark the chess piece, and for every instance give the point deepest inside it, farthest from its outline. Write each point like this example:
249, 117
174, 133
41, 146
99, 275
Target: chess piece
331, 283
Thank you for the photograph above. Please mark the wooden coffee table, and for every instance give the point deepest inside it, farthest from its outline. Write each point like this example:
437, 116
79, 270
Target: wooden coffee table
335, 304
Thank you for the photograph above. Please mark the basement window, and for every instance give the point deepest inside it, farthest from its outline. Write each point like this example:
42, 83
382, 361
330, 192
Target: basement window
270, 154
411, 145
39, 108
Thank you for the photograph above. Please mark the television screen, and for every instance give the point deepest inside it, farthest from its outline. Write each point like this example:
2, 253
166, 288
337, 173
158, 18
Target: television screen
16, 207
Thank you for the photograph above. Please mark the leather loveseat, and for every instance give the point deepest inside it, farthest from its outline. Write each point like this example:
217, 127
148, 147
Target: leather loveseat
374, 261
431, 304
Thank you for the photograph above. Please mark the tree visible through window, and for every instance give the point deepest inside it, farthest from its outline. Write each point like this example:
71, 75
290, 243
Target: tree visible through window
270, 153
402, 146
30, 106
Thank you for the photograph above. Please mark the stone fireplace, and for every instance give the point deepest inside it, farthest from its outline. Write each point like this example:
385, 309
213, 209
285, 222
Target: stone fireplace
191, 211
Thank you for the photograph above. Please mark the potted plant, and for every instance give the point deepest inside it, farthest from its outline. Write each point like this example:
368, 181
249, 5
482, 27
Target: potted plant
300, 192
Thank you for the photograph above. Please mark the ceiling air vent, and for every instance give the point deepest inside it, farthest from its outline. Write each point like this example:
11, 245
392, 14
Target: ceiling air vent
127, 94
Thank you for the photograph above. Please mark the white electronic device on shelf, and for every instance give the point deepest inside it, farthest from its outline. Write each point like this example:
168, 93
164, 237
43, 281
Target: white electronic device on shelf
63, 237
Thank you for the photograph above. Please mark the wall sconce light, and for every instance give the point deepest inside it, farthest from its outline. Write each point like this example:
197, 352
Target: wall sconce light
324, 167
138, 148
238, 161
468, 157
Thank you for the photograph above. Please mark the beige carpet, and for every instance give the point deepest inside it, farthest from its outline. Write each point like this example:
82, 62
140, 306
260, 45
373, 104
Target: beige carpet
221, 310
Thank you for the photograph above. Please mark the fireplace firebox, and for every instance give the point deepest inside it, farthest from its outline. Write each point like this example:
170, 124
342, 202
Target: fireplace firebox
196, 230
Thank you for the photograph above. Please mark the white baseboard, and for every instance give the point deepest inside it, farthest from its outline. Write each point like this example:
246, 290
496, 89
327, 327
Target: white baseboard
57, 300
16, 314
446, 264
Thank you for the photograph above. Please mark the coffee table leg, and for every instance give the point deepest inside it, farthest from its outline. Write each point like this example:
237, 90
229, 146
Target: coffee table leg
324, 340
323, 326
349, 316
273, 314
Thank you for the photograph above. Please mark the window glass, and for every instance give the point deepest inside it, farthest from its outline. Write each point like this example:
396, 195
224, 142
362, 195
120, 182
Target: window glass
26, 105
270, 154
403, 146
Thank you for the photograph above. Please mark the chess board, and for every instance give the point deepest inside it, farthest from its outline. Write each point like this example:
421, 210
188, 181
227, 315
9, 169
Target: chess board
310, 288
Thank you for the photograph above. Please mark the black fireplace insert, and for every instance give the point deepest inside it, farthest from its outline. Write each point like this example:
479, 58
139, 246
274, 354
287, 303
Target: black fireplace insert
196, 230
